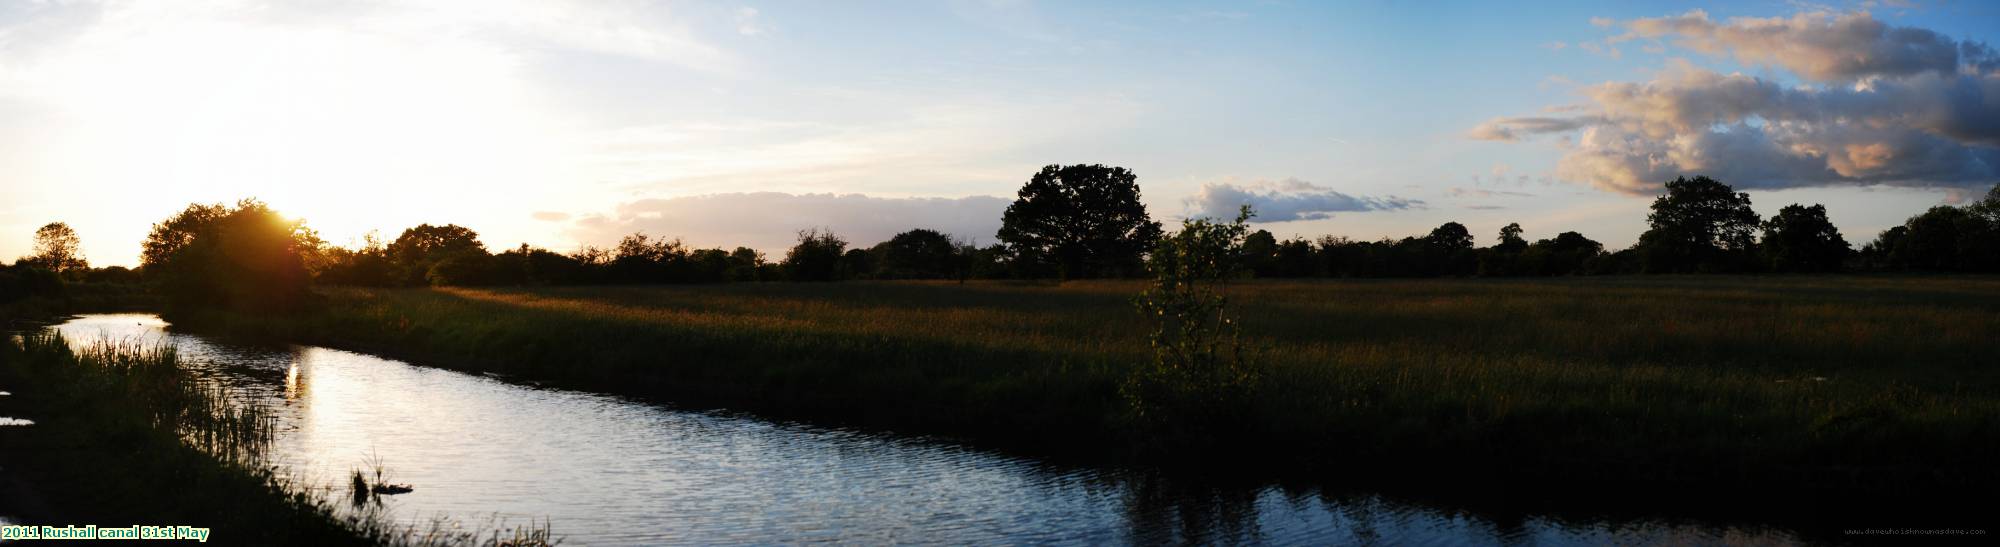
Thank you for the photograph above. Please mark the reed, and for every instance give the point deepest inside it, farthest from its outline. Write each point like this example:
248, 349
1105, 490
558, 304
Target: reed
1852, 382
128, 433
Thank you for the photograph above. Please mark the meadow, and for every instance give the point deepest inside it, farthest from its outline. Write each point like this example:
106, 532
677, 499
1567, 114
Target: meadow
1876, 385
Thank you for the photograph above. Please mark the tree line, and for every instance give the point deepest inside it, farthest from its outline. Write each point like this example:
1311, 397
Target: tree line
1068, 222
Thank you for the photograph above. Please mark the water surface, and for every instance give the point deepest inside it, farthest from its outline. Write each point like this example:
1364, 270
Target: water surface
606, 470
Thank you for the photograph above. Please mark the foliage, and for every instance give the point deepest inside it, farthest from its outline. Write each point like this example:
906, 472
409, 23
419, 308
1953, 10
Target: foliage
917, 254
817, 256
1943, 239
58, 249
1669, 378
1699, 225
416, 252
368, 266
1510, 239
1079, 221
1260, 254
1202, 370
1801, 239
1451, 237
245, 257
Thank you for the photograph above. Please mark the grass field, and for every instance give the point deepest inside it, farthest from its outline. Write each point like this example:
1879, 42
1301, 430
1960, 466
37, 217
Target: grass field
1877, 384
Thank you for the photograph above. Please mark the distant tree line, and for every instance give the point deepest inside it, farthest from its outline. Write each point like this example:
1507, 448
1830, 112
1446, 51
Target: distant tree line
1069, 222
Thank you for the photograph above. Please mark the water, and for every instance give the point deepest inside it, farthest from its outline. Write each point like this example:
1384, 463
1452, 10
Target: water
605, 470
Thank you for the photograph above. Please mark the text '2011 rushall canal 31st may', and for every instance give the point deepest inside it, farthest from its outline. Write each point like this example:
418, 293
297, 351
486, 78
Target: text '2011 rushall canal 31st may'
93, 531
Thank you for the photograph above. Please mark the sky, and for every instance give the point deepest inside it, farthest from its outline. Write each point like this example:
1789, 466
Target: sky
568, 124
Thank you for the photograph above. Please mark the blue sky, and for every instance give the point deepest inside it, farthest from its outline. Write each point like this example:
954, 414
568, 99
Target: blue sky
568, 124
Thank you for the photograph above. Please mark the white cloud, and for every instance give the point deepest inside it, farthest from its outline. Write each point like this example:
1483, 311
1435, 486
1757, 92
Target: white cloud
1916, 112
1287, 200
747, 23
1820, 45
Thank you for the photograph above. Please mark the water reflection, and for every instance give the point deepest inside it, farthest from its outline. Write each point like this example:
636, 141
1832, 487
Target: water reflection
606, 470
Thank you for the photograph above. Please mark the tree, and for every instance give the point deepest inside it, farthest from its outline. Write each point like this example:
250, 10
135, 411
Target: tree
1698, 225
248, 257
1081, 221
856, 264
1510, 239
170, 235
1564, 255
745, 264
917, 254
1801, 239
1988, 207
1260, 253
1202, 371
58, 249
1945, 238
816, 257
419, 249
1451, 236
367, 266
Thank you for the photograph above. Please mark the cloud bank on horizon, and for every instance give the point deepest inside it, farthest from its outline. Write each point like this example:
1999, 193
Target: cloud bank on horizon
1287, 200
1873, 104
759, 220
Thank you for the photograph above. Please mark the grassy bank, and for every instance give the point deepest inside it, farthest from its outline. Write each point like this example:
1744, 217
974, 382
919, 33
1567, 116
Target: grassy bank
1879, 385
122, 436
77, 298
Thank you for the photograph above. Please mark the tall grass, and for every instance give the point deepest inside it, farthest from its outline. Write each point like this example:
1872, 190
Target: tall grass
125, 434
1880, 384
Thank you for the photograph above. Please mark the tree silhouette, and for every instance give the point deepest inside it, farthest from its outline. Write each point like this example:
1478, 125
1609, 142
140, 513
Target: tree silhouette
917, 254
1451, 236
1988, 207
745, 264
816, 257
170, 235
58, 249
1945, 238
1260, 254
1510, 239
1080, 220
1801, 239
1698, 225
246, 257
421, 248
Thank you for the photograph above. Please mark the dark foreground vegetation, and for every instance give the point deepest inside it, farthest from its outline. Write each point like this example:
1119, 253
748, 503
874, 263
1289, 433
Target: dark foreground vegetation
1878, 385
125, 435
122, 436
1070, 222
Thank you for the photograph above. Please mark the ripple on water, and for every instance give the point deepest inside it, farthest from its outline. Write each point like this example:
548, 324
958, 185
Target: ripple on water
606, 470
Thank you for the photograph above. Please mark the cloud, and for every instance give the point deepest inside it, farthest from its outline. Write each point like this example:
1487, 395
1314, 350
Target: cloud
551, 216
1291, 199
747, 23
769, 221
1512, 129
1909, 122
1484, 193
1819, 45
1603, 50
